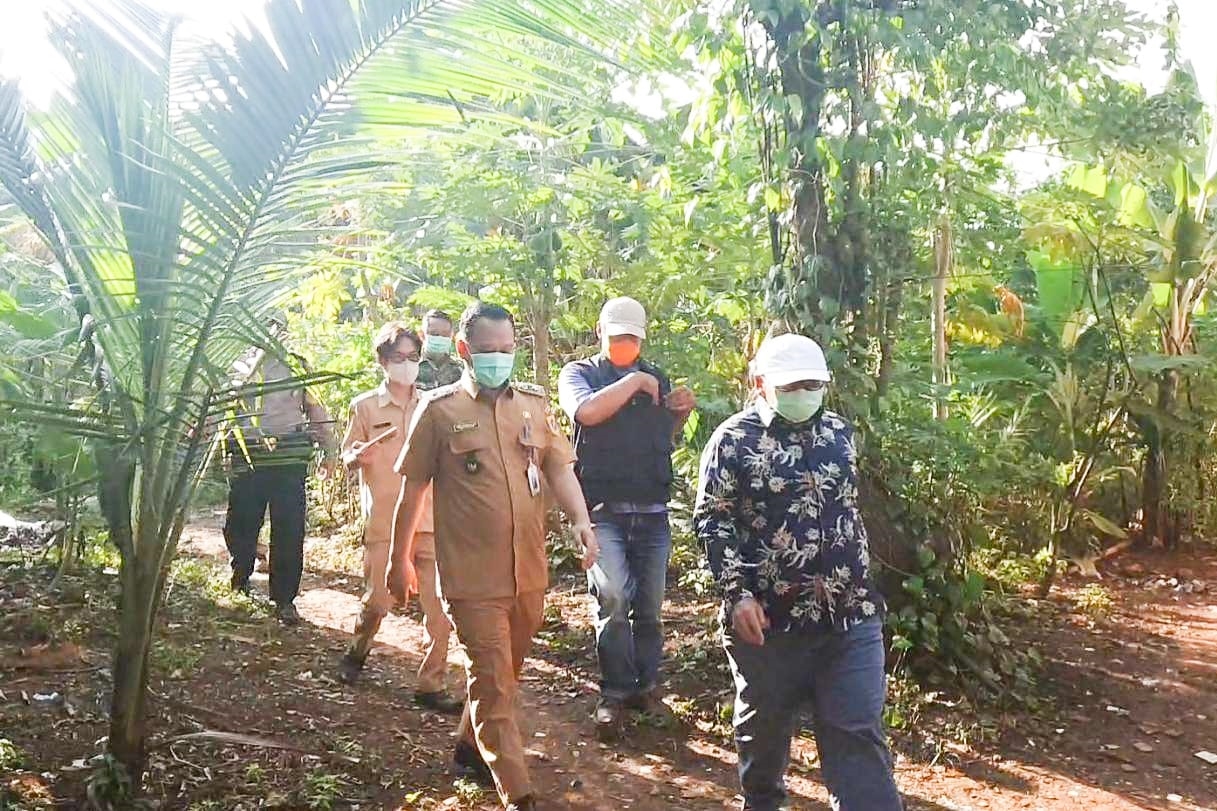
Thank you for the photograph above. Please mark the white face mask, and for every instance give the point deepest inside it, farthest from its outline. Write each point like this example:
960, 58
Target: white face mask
404, 373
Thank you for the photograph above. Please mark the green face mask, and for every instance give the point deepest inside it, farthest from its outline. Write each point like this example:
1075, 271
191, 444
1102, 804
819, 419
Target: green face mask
437, 346
492, 369
799, 405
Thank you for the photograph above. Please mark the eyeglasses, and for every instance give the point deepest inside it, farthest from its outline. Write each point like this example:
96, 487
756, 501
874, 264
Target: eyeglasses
398, 357
805, 385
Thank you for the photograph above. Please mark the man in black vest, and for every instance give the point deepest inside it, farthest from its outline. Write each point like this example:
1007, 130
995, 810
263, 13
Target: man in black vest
626, 415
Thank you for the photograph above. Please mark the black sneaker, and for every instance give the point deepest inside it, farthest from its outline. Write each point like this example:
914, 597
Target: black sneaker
468, 761
287, 614
349, 669
439, 702
608, 720
649, 702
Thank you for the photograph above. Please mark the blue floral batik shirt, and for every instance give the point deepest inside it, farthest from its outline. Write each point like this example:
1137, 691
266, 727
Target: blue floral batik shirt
777, 512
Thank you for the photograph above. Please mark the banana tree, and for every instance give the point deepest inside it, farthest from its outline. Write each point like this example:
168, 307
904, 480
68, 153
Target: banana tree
178, 186
1181, 245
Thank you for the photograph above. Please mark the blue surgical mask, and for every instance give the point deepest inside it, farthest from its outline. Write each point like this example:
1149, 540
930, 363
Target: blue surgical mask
437, 346
492, 369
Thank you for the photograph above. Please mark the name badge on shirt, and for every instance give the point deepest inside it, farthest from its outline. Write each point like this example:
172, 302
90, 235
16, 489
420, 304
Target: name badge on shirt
462, 427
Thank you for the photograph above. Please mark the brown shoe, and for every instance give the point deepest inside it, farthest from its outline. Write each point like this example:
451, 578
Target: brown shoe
608, 720
468, 761
525, 803
440, 702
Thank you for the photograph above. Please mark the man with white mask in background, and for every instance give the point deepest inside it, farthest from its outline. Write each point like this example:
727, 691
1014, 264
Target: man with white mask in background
380, 420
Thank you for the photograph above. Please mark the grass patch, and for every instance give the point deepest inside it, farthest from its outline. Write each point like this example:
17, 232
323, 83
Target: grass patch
11, 756
196, 578
341, 552
321, 790
1095, 601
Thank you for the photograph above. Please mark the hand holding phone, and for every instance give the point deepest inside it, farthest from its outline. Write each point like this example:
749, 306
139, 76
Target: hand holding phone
362, 453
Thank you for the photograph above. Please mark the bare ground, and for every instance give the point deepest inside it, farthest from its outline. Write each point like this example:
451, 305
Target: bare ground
1133, 698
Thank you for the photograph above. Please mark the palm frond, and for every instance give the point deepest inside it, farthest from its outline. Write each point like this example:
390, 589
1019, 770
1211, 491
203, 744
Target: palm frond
183, 190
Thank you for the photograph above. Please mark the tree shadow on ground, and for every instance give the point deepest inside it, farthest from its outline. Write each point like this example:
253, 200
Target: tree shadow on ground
1117, 683
1131, 698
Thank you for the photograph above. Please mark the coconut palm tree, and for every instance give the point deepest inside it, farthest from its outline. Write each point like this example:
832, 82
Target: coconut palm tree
178, 183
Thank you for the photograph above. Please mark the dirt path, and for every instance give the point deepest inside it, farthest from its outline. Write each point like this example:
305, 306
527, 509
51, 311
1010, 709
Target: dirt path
1135, 698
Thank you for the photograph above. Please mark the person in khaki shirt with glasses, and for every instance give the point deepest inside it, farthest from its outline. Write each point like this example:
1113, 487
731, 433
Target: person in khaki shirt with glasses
374, 438
492, 448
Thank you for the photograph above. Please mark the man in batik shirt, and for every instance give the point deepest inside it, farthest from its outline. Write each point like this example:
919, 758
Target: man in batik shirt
778, 515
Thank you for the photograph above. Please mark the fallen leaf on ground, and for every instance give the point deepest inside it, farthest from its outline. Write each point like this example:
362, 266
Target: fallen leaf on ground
245, 740
43, 657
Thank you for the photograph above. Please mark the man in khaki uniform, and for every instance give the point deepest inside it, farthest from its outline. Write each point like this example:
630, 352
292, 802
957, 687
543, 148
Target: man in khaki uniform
492, 448
387, 409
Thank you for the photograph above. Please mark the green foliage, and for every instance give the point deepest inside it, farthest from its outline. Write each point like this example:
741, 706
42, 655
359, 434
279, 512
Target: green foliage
1094, 601
468, 791
110, 787
11, 757
321, 790
946, 626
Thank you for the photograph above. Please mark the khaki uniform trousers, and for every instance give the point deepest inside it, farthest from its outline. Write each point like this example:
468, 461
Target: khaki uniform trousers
496, 634
377, 601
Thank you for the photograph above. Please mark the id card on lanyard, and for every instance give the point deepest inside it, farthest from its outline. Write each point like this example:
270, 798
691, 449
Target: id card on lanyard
534, 471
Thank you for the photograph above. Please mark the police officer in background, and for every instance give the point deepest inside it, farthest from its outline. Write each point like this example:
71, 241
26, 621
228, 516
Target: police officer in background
439, 367
279, 428
492, 449
375, 436
626, 414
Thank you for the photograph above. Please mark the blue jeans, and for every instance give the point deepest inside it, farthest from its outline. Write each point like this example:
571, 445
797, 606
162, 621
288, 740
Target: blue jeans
628, 583
839, 675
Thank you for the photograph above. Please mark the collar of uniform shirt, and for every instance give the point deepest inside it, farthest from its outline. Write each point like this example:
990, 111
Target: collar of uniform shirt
470, 385
384, 396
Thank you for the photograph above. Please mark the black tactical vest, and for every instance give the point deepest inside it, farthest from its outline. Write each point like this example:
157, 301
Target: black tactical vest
628, 457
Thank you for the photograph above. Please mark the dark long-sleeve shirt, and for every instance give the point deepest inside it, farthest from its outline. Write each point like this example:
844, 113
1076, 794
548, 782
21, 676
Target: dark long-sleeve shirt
777, 513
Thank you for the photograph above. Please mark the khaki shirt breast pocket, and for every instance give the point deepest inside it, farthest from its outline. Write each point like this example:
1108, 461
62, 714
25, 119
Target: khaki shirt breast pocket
469, 454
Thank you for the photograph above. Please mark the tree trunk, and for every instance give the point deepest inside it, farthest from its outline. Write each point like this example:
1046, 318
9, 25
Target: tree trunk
889, 319
801, 71
943, 258
136, 601
539, 319
127, 706
1176, 337
1154, 509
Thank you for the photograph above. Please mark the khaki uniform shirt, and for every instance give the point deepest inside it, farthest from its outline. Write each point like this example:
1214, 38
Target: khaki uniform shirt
489, 526
372, 413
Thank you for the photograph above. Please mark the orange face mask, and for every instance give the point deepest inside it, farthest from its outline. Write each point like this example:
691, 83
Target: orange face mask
623, 353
